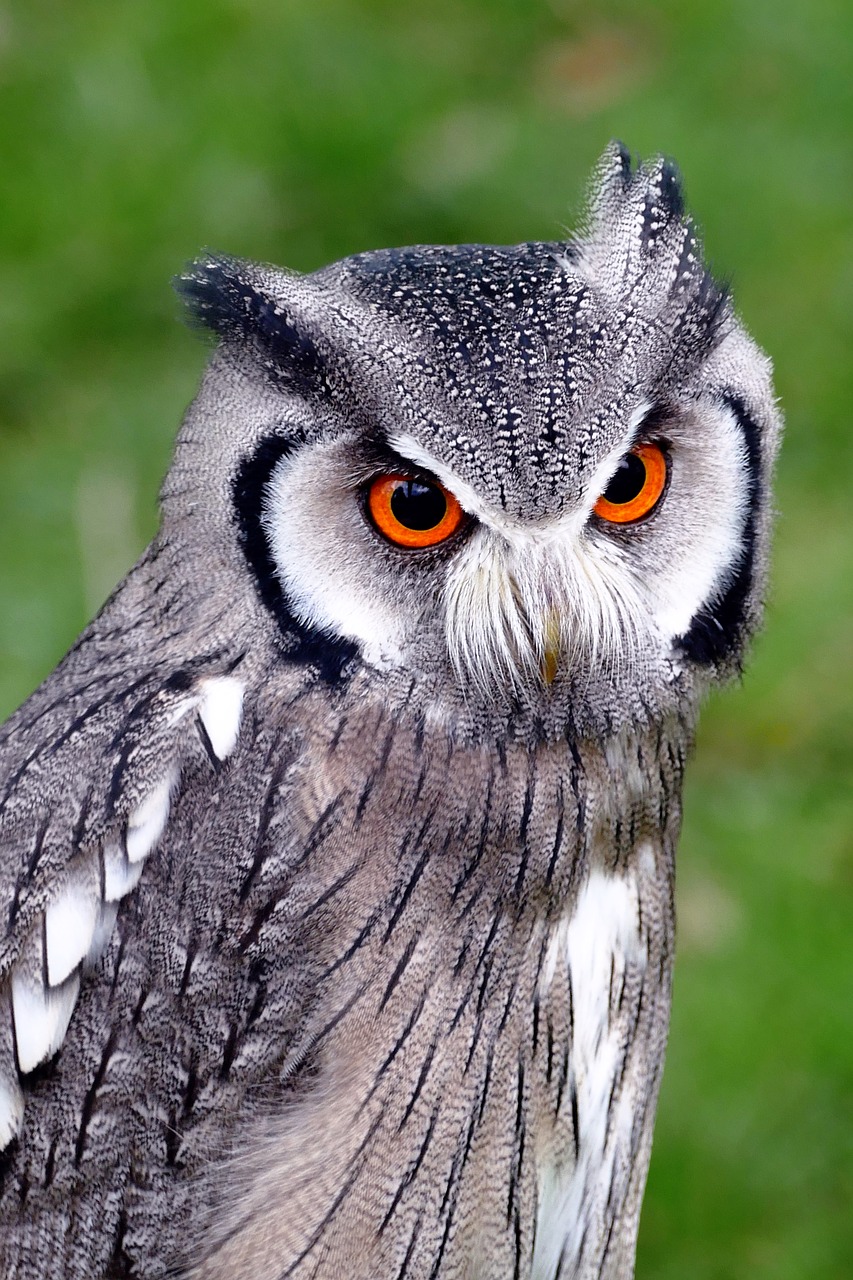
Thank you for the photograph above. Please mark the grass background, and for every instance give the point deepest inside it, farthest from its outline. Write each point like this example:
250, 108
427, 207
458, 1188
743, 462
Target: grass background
131, 135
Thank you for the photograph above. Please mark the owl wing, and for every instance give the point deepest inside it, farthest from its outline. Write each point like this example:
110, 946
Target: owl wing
90, 766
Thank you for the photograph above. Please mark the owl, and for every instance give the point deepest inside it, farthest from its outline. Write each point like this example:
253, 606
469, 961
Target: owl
337, 856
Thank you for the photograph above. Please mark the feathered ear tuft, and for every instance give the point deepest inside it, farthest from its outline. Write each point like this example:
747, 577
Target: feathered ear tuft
641, 250
670, 190
654, 190
234, 300
610, 180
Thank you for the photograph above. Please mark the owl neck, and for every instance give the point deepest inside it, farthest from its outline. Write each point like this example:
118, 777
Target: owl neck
515, 820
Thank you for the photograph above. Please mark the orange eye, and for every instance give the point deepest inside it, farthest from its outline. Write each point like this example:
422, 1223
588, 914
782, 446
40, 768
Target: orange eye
636, 486
413, 513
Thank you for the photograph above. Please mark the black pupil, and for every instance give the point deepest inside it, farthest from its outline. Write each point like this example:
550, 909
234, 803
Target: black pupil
627, 482
418, 506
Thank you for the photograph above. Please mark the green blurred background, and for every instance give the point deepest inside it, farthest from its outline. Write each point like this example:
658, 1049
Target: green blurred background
133, 134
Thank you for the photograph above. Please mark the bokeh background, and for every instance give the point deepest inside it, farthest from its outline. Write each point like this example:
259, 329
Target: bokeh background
132, 135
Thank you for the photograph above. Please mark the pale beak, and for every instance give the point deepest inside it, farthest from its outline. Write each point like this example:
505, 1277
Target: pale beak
551, 646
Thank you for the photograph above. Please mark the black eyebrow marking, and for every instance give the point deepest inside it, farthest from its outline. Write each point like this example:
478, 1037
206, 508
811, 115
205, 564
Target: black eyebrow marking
330, 655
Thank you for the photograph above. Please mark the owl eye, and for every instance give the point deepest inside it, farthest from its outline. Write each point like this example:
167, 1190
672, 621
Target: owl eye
413, 513
635, 487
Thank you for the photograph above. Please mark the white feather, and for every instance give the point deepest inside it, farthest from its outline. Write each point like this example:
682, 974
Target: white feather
69, 926
504, 600
601, 934
708, 494
41, 1016
147, 821
11, 1110
328, 583
120, 875
221, 710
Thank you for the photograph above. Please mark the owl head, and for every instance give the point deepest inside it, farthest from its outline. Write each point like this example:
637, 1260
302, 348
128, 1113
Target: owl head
520, 486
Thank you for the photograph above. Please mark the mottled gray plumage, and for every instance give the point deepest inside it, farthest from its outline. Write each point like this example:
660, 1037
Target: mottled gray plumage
362, 857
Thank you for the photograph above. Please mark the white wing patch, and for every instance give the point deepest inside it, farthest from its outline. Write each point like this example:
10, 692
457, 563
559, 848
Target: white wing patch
77, 924
74, 931
39, 990
69, 927
599, 940
11, 1110
221, 711
41, 1015
147, 821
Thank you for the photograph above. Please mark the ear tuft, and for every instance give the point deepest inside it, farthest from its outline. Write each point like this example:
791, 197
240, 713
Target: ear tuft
649, 197
642, 251
671, 193
233, 300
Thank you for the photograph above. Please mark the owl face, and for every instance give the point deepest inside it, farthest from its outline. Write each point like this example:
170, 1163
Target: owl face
519, 484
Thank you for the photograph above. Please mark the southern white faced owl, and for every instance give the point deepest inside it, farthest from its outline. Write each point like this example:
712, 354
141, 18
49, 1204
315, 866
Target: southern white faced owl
336, 858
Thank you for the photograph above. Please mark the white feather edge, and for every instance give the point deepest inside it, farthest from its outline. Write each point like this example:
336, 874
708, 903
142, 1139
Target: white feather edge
221, 711
11, 1109
41, 1015
69, 927
147, 822
102, 933
120, 875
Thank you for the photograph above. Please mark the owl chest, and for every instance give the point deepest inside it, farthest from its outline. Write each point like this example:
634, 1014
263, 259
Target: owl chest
474, 1071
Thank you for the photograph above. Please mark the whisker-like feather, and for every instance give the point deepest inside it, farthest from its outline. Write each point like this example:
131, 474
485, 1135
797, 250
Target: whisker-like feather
502, 601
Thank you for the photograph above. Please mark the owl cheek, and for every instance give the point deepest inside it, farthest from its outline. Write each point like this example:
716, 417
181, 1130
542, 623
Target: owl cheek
316, 573
338, 602
339, 613
697, 569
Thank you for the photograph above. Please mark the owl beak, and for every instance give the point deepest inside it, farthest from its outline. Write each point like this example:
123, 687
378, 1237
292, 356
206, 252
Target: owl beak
551, 632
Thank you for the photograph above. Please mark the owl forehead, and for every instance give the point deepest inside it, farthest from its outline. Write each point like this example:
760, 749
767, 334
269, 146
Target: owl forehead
505, 365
